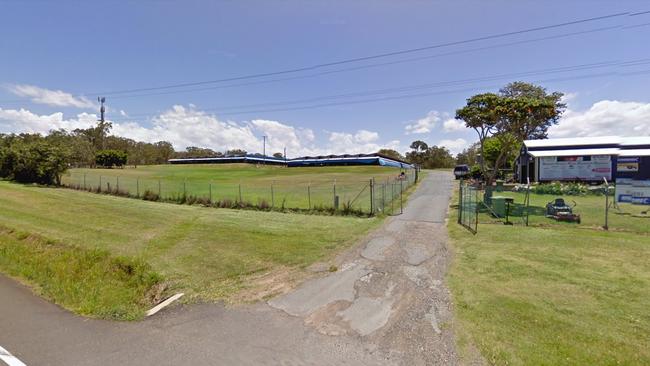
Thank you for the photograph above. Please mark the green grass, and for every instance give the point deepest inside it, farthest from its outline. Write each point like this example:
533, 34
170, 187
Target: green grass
552, 295
210, 254
297, 188
87, 281
626, 217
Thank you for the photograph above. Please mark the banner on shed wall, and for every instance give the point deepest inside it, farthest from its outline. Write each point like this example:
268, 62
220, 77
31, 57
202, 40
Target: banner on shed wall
594, 167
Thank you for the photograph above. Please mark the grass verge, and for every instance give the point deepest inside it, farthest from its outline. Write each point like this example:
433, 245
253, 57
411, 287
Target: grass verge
552, 295
90, 282
210, 254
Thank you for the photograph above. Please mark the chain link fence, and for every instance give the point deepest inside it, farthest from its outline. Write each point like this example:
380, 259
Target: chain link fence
468, 206
519, 206
369, 197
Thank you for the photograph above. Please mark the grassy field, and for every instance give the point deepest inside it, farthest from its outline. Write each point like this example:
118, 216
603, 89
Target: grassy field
299, 188
553, 295
210, 254
626, 217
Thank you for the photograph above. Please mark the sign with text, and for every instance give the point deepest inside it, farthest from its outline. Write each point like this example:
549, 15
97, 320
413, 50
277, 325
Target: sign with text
627, 164
633, 191
593, 167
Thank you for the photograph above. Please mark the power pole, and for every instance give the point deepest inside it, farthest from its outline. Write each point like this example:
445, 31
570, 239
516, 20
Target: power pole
102, 110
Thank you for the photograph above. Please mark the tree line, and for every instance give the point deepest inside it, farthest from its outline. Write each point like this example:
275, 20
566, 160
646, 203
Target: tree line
502, 121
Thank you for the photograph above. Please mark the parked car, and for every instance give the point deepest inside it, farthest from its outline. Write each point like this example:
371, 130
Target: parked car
461, 171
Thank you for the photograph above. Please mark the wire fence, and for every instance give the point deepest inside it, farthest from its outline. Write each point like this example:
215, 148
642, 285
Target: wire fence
382, 196
468, 207
524, 208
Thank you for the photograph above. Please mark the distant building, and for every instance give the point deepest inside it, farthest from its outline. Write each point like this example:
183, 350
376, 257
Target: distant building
306, 161
358, 159
250, 159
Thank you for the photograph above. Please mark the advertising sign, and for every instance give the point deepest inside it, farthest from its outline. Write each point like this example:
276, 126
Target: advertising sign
627, 165
593, 168
633, 191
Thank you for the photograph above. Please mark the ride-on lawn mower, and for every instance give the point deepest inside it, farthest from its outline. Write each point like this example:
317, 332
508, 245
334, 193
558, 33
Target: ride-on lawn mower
560, 211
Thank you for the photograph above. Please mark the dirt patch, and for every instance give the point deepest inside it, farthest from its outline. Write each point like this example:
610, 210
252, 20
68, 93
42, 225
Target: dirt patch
266, 285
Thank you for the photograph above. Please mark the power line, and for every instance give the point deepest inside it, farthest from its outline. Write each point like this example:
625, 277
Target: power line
562, 69
409, 96
371, 57
368, 65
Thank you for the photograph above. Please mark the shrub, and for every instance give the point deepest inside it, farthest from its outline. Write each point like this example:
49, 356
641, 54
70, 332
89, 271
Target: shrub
569, 189
110, 158
150, 196
33, 160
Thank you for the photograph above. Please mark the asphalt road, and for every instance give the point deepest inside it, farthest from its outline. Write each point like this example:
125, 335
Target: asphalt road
386, 305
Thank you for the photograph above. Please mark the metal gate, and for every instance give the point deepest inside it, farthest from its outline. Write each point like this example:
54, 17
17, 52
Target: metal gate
468, 207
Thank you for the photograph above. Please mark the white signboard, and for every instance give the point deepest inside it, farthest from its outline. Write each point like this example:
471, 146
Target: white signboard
633, 191
594, 167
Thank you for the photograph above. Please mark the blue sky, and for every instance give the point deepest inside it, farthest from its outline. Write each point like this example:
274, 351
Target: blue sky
55, 57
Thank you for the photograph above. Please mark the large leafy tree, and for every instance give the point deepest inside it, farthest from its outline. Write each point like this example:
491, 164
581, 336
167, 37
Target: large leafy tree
519, 111
429, 157
32, 159
391, 154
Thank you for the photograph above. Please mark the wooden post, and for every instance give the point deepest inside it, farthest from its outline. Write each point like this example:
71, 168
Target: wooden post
335, 200
309, 195
272, 197
84, 181
210, 192
137, 187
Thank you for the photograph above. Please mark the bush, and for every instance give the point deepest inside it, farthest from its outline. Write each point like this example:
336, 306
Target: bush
569, 189
110, 158
33, 160
150, 196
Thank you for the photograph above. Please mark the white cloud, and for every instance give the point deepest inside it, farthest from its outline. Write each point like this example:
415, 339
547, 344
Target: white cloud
569, 97
362, 142
12, 120
455, 146
55, 98
423, 125
605, 118
189, 127
453, 125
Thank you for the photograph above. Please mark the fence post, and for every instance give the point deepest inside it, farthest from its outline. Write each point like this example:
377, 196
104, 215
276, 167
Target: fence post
159, 190
392, 198
383, 197
606, 206
184, 187
309, 194
334, 202
137, 187
372, 196
272, 197
100, 183
210, 192
460, 201
84, 181
401, 202
117, 180
240, 200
